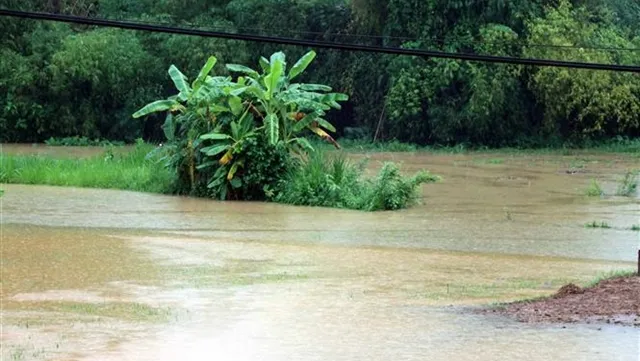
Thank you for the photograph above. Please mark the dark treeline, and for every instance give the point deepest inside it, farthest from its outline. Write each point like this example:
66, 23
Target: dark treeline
60, 80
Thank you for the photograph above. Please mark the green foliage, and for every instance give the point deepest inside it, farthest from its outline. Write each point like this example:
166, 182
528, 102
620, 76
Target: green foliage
326, 181
594, 189
217, 128
635, 227
584, 103
129, 171
58, 80
81, 142
595, 224
628, 185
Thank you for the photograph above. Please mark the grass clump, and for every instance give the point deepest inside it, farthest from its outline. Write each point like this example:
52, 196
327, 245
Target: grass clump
628, 186
77, 141
594, 189
335, 182
130, 171
635, 227
595, 224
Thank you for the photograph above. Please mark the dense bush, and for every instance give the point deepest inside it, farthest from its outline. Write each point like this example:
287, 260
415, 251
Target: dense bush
333, 181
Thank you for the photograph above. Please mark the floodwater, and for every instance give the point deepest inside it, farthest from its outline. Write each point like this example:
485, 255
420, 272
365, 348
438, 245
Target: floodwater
109, 275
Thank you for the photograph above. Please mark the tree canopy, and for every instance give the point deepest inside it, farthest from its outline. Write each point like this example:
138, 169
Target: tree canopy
60, 80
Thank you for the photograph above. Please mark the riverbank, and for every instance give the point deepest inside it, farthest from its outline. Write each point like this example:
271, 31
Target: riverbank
614, 300
324, 179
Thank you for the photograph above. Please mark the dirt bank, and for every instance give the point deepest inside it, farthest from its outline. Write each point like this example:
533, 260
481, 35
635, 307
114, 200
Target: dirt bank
615, 301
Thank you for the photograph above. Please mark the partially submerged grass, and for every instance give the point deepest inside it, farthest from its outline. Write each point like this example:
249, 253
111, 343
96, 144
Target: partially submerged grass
610, 275
594, 189
129, 311
130, 171
603, 276
635, 227
628, 185
336, 182
595, 224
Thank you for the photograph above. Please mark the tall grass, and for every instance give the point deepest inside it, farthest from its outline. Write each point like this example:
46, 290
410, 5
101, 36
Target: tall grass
128, 171
334, 181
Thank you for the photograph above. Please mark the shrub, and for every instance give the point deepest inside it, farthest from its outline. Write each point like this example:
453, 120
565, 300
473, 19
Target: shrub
327, 181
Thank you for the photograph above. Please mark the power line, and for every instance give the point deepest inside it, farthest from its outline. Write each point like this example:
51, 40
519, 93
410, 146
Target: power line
317, 44
404, 38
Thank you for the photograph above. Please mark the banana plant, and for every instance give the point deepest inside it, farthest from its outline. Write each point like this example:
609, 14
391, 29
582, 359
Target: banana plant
230, 145
288, 108
206, 96
194, 110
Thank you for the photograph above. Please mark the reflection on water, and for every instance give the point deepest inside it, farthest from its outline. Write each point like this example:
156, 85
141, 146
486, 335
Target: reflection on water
110, 275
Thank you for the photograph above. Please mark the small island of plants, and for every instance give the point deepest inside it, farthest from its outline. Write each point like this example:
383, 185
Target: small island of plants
245, 138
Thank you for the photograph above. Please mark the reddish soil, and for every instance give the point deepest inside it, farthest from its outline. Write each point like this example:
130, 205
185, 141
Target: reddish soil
615, 301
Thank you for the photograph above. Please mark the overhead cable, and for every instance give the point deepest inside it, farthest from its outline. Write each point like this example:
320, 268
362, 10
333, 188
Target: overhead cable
315, 44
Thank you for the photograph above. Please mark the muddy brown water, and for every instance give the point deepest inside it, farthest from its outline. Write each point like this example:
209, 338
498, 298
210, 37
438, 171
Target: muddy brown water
109, 275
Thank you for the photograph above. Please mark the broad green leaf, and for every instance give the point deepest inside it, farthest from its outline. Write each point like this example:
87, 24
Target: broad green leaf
169, 128
276, 71
157, 106
215, 149
314, 87
216, 108
340, 97
264, 64
243, 69
234, 131
301, 64
304, 143
206, 165
204, 72
257, 91
235, 104
239, 91
273, 128
215, 136
325, 124
179, 80
304, 122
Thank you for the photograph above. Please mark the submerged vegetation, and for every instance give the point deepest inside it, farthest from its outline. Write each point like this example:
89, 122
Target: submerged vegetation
594, 189
335, 181
244, 139
628, 185
595, 224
